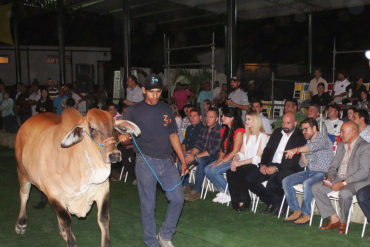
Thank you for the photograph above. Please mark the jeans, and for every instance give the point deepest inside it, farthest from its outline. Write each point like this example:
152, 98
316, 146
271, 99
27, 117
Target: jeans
199, 173
363, 198
146, 182
215, 174
307, 178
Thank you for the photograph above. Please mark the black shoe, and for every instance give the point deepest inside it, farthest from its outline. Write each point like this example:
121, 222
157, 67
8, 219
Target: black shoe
270, 208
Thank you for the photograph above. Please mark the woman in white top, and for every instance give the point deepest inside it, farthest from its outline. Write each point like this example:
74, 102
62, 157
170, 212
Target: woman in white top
254, 142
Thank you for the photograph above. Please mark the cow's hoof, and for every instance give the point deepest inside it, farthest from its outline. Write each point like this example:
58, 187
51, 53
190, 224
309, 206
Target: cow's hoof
20, 229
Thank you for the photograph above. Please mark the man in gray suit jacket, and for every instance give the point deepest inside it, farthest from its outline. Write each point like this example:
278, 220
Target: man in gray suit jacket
348, 173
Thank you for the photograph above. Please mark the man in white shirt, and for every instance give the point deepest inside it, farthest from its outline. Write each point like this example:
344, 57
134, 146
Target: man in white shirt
257, 106
134, 93
312, 88
339, 91
238, 98
333, 123
34, 97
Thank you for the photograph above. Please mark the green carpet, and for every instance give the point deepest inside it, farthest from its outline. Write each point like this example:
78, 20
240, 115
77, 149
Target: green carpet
202, 223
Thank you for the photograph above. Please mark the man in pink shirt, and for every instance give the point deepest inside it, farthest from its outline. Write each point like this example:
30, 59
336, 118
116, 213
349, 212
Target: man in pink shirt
181, 96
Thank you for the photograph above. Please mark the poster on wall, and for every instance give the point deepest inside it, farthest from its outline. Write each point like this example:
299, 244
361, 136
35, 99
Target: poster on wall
116, 86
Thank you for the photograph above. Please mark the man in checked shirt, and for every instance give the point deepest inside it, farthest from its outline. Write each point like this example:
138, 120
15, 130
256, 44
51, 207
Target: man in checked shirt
204, 152
316, 156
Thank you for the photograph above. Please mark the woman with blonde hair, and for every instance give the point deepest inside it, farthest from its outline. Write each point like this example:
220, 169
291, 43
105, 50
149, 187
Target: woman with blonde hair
246, 160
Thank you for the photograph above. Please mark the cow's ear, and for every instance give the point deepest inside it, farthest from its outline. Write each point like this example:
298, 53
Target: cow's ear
74, 136
126, 127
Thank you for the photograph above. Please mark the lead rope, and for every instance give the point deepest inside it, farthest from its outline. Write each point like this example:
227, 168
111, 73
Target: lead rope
151, 169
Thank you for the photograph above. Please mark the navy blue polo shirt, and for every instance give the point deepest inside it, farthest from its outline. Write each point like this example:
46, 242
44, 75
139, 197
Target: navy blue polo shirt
156, 123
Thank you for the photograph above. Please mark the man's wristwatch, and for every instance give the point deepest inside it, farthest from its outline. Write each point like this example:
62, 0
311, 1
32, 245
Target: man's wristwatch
196, 158
276, 169
344, 182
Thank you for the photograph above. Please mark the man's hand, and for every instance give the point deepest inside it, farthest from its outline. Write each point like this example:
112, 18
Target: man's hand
263, 169
290, 153
184, 169
337, 186
229, 102
234, 164
327, 182
270, 170
124, 138
189, 158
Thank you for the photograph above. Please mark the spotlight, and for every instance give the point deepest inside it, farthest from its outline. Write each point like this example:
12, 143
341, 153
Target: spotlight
367, 54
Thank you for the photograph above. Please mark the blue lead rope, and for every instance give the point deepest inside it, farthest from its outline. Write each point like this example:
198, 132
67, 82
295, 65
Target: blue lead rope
155, 175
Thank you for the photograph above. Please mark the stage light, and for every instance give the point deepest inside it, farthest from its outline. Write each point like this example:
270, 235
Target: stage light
367, 54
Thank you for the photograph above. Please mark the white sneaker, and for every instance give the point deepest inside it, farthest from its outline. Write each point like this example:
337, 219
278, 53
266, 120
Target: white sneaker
219, 194
224, 199
164, 243
216, 199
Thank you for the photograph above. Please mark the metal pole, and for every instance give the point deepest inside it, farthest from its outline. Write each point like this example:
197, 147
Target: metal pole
126, 41
310, 43
272, 86
334, 54
231, 37
213, 62
168, 68
28, 63
17, 53
61, 42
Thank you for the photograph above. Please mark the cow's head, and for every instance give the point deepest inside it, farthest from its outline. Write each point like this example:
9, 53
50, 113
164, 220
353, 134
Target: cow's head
99, 127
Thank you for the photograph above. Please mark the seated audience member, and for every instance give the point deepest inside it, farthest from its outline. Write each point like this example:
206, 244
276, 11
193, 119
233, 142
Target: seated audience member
356, 90
191, 137
361, 118
112, 109
333, 123
257, 106
178, 120
205, 151
315, 82
23, 108
220, 100
290, 105
57, 102
123, 109
206, 105
186, 120
316, 156
6, 109
314, 112
321, 98
206, 93
232, 137
364, 102
274, 166
134, 94
247, 159
70, 103
340, 88
363, 198
347, 174
238, 98
44, 104
350, 112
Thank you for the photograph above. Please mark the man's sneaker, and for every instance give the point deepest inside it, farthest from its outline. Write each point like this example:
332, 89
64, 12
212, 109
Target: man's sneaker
224, 198
164, 243
294, 216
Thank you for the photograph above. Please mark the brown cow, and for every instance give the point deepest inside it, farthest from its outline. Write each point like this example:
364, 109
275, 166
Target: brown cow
68, 158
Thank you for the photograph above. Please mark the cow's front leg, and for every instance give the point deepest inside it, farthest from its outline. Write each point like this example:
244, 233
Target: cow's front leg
65, 222
24, 192
103, 205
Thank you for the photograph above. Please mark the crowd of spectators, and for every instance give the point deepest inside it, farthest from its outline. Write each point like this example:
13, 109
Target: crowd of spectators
238, 149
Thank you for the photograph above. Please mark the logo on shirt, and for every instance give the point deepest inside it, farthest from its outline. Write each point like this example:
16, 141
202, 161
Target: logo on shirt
166, 120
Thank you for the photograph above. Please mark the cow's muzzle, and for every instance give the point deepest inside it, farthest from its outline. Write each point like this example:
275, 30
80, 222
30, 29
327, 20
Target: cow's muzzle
114, 157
